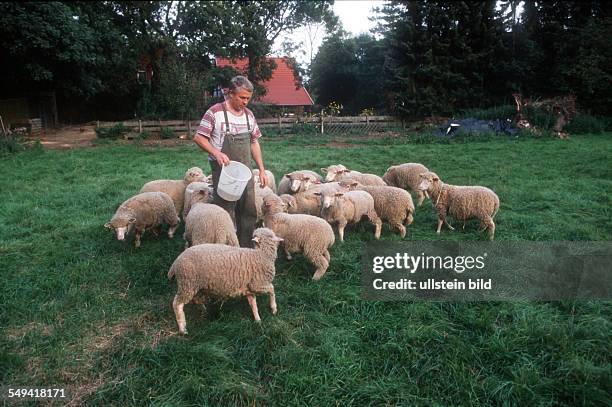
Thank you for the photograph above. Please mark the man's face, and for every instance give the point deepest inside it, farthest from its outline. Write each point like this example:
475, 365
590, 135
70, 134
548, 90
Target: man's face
240, 98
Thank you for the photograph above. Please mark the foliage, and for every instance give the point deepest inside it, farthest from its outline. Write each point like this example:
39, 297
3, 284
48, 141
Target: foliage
94, 314
586, 124
167, 133
112, 132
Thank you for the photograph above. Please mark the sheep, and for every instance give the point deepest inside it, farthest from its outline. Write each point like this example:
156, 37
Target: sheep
309, 202
301, 233
175, 188
260, 194
340, 172
197, 186
269, 176
208, 223
461, 202
406, 176
222, 271
291, 203
297, 181
392, 205
349, 207
142, 211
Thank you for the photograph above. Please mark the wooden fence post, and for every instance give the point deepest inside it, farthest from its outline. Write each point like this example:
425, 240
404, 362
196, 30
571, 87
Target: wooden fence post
97, 124
280, 127
139, 126
188, 129
322, 125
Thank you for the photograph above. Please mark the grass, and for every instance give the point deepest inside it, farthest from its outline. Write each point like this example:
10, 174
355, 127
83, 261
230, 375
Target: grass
83, 311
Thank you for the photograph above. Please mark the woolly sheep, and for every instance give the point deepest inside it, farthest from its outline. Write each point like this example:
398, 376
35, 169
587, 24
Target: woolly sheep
392, 205
291, 203
297, 181
406, 176
142, 211
208, 223
340, 172
197, 186
175, 188
461, 202
349, 207
222, 271
260, 194
309, 202
301, 234
269, 176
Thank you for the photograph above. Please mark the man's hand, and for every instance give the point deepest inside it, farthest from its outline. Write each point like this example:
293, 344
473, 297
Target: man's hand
263, 180
222, 158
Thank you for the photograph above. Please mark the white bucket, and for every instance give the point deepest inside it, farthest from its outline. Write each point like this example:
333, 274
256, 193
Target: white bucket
233, 179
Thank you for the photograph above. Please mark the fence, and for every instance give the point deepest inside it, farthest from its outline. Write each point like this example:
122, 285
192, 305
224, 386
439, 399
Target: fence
330, 125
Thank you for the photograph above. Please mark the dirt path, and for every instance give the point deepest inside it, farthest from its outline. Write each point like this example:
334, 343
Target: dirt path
69, 137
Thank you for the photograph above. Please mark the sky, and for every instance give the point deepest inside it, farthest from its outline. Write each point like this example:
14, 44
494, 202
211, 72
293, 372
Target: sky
353, 15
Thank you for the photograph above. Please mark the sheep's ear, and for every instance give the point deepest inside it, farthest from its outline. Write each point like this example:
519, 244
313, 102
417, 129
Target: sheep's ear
324, 170
290, 204
255, 239
339, 194
202, 192
436, 179
267, 203
278, 239
108, 225
317, 193
132, 220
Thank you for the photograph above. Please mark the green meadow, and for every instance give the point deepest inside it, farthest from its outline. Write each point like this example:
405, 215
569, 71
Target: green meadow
85, 312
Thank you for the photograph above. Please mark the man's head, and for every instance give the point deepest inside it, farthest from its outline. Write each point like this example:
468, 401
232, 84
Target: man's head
240, 92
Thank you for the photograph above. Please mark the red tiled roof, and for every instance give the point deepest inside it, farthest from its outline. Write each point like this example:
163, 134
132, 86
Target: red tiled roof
281, 89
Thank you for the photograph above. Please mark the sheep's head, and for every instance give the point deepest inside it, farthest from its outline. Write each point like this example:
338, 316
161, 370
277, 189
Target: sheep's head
350, 185
122, 226
428, 181
194, 174
299, 181
272, 205
329, 198
263, 235
333, 171
199, 195
290, 201
389, 176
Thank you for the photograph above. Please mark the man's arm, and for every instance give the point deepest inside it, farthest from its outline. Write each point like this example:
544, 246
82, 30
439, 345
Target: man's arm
257, 156
205, 145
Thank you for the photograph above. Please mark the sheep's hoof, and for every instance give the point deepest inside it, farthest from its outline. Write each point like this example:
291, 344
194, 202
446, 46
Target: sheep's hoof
183, 332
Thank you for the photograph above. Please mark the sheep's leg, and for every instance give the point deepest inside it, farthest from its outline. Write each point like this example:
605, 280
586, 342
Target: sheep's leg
491, 227
272, 300
253, 304
137, 235
420, 197
322, 264
341, 226
171, 230
327, 256
401, 228
180, 315
287, 253
156, 230
409, 219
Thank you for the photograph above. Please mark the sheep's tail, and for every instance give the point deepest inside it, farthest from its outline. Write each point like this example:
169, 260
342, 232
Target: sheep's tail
171, 272
496, 208
409, 218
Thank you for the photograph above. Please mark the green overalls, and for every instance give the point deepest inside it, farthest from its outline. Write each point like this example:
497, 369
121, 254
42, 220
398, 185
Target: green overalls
243, 212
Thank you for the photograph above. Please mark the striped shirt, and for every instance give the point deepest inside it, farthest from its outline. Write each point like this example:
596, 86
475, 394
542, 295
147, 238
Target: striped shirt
212, 125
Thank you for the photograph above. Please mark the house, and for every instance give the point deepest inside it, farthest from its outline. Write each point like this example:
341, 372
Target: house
281, 89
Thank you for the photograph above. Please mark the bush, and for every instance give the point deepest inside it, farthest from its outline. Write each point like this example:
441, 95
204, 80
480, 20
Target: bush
167, 133
113, 132
496, 112
586, 124
11, 143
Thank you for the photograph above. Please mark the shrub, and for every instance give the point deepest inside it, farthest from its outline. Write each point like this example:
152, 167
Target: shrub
496, 112
167, 133
585, 124
113, 132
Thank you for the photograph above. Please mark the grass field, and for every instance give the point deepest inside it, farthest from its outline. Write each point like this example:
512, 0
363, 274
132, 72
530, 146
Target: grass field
83, 311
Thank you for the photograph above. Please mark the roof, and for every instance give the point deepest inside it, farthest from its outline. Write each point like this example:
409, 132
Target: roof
281, 88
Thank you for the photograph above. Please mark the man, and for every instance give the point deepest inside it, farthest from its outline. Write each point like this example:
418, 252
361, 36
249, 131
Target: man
228, 131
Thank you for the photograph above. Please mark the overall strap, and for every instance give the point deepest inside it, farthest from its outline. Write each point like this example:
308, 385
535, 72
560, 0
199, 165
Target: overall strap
247, 119
227, 128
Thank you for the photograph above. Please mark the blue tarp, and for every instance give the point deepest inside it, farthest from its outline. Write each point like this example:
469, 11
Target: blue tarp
476, 127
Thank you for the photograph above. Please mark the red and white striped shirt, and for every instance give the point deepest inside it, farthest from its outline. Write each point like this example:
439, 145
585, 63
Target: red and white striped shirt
212, 125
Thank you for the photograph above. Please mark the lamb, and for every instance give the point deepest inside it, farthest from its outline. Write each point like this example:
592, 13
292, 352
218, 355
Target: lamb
197, 186
340, 172
301, 233
222, 271
406, 176
309, 201
461, 202
269, 176
175, 188
208, 223
260, 194
349, 207
142, 211
297, 181
393, 205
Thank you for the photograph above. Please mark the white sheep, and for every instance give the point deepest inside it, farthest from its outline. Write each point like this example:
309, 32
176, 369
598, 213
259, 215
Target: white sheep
215, 270
461, 202
142, 211
269, 176
406, 176
301, 234
349, 207
340, 173
260, 194
291, 203
393, 205
175, 188
309, 201
297, 181
197, 186
208, 223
